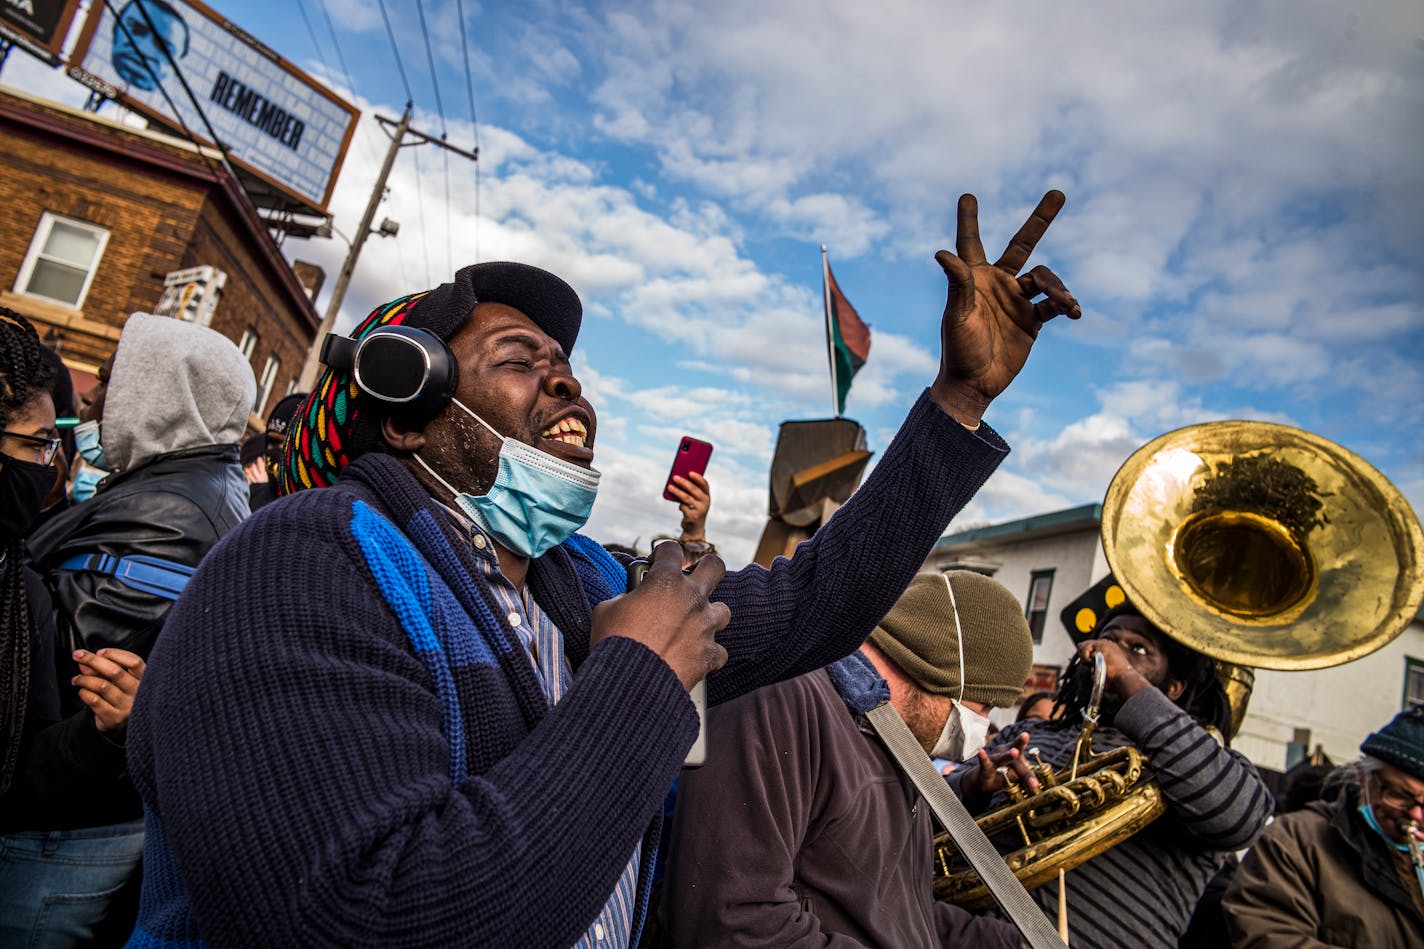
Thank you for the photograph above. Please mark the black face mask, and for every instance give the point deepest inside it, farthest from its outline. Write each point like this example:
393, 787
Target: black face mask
23, 487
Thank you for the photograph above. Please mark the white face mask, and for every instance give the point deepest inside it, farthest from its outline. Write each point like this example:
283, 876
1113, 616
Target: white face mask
965, 732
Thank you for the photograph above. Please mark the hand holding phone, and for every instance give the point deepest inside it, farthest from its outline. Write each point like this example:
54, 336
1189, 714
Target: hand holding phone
692, 456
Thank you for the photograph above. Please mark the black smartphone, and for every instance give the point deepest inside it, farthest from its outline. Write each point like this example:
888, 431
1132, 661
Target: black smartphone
697, 754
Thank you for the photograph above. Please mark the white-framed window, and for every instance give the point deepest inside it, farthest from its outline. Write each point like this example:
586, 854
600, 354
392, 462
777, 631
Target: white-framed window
1413, 682
248, 343
264, 386
1040, 584
62, 260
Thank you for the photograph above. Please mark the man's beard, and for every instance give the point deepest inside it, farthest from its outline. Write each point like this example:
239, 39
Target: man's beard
925, 716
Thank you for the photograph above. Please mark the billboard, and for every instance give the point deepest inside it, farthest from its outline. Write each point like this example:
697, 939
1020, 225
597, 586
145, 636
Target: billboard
37, 26
274, 120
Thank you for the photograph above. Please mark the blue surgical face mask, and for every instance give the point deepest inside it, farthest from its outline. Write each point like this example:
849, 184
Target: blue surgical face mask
537, 501
86, 443
1368, 813
86, 482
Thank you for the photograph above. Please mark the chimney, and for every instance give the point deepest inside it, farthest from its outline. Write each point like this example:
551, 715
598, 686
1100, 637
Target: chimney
310, 276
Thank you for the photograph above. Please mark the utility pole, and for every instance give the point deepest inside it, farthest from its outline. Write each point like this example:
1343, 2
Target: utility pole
402, 129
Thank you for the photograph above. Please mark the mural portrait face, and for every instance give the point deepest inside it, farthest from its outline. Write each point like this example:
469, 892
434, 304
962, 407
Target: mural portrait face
138, 53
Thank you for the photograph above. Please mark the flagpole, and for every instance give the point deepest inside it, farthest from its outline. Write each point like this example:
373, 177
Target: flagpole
830, 333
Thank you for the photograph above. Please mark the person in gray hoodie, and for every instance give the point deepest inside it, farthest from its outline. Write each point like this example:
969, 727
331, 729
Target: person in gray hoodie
169, 423
169, 420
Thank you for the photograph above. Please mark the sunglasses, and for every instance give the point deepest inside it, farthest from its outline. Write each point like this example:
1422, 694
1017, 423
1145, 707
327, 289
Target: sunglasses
45, 448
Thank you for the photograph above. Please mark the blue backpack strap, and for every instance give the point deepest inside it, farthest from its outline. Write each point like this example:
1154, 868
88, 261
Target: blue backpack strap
152, 575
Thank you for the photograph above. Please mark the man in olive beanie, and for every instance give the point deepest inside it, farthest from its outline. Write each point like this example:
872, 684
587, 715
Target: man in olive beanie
1340, 871
960, 638
801, 827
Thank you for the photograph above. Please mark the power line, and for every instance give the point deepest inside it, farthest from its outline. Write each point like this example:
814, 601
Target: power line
340, 57
311, 31
474, 122
402, 131
444, 131
449, 235
370, 146
420, 205
430, 60
400, 66
469, 81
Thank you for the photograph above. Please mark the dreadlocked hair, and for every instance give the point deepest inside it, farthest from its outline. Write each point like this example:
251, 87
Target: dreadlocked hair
1074, 692
24, 371
24, 374
1203, 697
14, 659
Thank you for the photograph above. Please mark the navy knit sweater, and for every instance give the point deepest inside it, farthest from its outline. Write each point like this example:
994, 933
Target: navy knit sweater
339, 741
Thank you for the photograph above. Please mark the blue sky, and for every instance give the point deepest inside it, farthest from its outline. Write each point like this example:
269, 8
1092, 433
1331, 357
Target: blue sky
1244, 183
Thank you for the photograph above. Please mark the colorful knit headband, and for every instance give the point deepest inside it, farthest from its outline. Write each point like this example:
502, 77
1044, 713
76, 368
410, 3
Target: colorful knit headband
325, 433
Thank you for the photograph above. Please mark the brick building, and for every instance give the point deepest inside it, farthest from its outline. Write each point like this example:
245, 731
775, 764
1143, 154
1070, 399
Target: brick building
100, 214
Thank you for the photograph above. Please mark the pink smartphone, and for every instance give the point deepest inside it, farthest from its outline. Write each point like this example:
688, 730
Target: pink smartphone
692, 455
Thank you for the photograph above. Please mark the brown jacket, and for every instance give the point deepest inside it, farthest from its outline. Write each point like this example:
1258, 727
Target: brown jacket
800, 831
1321, 877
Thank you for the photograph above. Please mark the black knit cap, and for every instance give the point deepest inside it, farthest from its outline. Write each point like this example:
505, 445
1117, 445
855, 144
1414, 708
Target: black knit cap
1400, 743
280, 418
252, 448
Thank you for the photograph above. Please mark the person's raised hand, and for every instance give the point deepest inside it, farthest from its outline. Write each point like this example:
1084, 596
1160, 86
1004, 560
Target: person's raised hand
671, 614
990, 320
1123, 678
107, 682
694, 500
983, 777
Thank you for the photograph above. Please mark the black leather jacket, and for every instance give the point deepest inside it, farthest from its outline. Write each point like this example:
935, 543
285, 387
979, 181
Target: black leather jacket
176, 507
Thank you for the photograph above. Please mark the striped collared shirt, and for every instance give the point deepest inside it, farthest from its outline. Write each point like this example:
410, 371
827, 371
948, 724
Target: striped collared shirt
544, 643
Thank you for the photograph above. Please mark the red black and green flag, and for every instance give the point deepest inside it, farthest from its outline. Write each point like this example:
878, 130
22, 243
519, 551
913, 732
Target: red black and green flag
846, 334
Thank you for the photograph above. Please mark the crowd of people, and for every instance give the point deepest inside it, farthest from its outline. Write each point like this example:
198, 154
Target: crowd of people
358, 679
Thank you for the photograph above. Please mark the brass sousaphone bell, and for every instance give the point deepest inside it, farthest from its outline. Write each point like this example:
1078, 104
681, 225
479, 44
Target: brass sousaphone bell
1258, 545
1264, 545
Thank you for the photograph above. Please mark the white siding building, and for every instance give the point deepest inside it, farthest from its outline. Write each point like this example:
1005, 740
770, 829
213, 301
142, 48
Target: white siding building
1049, 560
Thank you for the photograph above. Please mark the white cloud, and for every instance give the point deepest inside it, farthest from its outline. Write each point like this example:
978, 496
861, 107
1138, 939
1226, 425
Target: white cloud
1240, 225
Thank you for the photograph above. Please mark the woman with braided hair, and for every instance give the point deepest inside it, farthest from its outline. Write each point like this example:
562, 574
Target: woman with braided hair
45, 761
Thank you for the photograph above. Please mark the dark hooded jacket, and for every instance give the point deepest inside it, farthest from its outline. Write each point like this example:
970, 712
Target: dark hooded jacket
177, 405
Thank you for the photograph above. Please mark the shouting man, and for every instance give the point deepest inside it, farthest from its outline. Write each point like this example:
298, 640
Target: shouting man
439, 723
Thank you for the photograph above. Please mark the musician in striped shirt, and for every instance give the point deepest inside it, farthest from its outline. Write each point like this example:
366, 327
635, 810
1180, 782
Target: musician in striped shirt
1164, 699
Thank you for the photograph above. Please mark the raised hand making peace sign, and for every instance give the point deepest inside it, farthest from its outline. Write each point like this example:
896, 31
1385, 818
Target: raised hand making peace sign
990, 319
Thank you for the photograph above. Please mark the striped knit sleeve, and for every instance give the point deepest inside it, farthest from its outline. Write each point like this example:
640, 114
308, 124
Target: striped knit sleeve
1215, 793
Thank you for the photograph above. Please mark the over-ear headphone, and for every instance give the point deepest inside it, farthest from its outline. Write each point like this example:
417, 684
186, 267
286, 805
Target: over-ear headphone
408, 370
